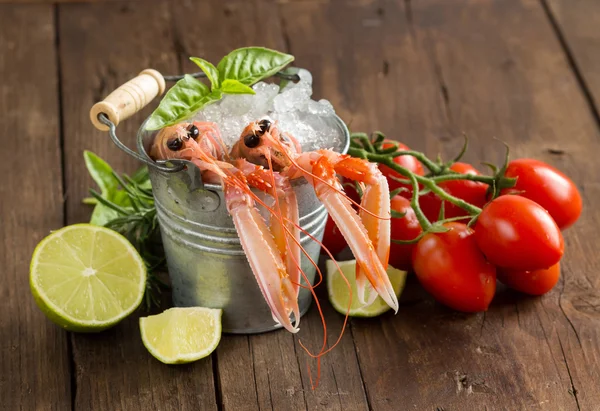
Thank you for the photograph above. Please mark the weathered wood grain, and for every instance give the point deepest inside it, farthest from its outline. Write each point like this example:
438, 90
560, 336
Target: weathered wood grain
34, 358
102, 46
423, 72
537, 107
576, 24
273, 366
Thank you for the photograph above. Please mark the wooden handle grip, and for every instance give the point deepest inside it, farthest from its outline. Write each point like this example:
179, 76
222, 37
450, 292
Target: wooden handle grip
129, 98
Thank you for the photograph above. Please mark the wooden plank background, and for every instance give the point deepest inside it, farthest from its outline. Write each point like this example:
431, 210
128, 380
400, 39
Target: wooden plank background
423, 71
34, 354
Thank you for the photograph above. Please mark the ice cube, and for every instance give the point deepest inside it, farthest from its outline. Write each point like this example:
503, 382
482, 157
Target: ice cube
307, 120
295, 96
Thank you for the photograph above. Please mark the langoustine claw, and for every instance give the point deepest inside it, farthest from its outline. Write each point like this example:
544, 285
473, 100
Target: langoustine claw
367, 233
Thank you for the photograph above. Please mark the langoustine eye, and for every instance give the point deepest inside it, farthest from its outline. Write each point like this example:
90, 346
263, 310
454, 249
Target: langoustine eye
193, 132
264, 125
175, 144
251, 140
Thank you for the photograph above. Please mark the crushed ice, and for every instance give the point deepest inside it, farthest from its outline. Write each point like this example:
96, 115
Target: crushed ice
311, 122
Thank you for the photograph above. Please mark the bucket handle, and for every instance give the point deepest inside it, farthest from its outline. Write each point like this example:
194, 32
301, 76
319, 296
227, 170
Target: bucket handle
137, 93
125, 101
128, 99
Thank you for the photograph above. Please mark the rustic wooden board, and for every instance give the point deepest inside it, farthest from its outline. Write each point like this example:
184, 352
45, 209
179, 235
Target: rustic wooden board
424, 72
102, 46
537, 108
576, 23
34, 358
273, 366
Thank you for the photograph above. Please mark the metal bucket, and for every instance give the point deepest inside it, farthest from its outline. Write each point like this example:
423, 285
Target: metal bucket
206, 263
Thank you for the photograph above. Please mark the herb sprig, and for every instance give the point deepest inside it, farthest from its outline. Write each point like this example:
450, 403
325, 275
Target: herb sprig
235, 74
126, 205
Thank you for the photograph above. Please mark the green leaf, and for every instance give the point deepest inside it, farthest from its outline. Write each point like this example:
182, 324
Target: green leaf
101, 172
141, 175
89, 201
102, 215
235, 87
186, 97
211, 71
251, 64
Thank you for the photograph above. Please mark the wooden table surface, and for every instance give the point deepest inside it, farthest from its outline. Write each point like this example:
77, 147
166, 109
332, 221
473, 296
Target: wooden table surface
423, 71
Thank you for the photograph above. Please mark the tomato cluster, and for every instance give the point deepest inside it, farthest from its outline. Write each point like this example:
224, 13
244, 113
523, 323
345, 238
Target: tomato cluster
516, 238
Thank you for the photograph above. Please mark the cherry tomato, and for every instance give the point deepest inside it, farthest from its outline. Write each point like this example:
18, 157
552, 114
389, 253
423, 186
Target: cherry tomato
548, 187
450, 267
408, 162
333, 239
430, 205
535, 282
515, 232
472, 192
405, 228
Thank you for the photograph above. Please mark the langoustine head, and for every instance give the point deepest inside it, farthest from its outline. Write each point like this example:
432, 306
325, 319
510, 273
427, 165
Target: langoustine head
188, 141
262, 140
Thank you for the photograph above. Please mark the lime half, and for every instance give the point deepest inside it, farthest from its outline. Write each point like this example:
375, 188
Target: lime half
87, 278
182, 335
338, 289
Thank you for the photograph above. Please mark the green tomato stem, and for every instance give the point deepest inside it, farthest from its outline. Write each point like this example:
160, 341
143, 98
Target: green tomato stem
451, 175
428, 183
432, 166
414, 202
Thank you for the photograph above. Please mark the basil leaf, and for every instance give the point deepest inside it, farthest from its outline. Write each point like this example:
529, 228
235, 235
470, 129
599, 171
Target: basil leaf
230, 86
251, 64
100, 172
102, 215
211, 71
186, 97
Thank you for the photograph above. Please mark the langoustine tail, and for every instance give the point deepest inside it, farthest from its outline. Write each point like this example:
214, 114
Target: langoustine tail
284, 223
264, 258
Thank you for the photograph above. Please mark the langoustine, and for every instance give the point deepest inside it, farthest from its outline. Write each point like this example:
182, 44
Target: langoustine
267, 159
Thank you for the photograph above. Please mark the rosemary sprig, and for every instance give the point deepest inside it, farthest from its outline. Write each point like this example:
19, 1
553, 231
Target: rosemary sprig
126, 205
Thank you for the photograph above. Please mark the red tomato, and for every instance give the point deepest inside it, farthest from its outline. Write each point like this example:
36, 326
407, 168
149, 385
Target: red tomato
405, 228
408, 162
430, 205
548, 187
472, 192
333, 239
514, 232
450, 267
535, 282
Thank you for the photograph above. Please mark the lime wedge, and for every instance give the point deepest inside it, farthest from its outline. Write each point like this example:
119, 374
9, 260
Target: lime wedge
182, 335
86, 278
338, 290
